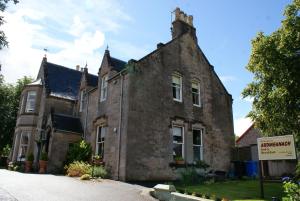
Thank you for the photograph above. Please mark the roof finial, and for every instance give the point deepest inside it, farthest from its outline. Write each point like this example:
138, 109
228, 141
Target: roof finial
86, 64
107, 47
45, 50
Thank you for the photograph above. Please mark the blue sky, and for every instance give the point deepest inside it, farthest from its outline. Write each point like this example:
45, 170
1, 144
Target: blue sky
78, 32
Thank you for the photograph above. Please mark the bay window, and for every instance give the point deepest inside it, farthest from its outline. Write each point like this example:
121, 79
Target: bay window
23, 146
30, 103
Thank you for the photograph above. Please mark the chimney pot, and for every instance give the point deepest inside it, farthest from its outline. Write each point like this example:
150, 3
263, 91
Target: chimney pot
77, 67
160, 45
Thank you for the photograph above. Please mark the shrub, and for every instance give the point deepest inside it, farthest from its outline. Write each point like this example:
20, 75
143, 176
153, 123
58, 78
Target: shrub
78, 168
100, 171
44, 156
30, 157
292, 190
190, 176
85, 177
80, 151
5, 151
201, 164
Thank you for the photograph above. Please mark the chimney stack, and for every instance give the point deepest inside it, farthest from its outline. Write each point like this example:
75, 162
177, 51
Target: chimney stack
182, 24
77, 67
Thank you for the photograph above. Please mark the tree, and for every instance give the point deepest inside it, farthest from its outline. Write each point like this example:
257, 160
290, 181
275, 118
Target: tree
3, 39
275, 63
9, 106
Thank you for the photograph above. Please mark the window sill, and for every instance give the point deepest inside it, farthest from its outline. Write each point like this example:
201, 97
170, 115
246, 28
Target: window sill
198, 106
177, 101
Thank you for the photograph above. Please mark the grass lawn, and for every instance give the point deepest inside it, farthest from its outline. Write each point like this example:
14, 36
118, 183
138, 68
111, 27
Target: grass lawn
237, 190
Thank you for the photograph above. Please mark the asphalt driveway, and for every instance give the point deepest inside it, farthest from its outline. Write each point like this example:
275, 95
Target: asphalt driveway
34, 187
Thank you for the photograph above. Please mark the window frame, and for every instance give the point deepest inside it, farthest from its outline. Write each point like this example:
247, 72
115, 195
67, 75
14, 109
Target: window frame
104, 87
174, 142
196, 145
81, 101
174, 86
21, 145
29, 102
101, 142
198, 93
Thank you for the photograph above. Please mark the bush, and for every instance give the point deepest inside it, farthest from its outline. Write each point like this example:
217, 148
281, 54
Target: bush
44, 156
5, 151
292, 190
78, 168
100, 171
85, 177
80, 151
30, 157
190, 176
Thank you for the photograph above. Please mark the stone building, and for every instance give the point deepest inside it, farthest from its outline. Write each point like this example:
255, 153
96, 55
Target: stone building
139, 115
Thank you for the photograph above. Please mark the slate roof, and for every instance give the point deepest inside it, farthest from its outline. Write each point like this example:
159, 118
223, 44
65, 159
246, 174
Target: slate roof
92, 80
117, 64
66, 123
61, 81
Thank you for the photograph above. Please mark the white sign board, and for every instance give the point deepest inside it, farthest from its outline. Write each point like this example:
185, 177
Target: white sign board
276, 148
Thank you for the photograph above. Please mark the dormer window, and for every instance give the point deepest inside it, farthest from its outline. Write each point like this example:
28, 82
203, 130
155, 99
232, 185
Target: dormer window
177, 87
30, 103
103, 88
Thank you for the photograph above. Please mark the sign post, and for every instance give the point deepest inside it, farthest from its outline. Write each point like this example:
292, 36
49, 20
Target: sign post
274, 148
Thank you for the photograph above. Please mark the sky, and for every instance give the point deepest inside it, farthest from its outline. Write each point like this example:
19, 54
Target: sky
78, 32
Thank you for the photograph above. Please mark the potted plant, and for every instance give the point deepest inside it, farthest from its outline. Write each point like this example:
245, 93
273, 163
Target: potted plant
43, 162
97, 160
28, 162
179, 160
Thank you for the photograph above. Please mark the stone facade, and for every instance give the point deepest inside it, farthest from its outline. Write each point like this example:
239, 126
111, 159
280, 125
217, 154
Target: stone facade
134, 105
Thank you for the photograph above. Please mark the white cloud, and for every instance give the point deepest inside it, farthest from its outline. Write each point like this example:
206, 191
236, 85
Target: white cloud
241, 125
247, 99
227, 78
72, 31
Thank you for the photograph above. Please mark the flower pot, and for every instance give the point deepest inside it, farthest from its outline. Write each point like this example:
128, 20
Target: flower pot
28, 166
180, 162
43, 166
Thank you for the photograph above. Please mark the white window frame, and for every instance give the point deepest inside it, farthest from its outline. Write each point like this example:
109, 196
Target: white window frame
174, 142
177, 75
196, 145
30, 102
21, 145
199, 94
22, 104
81, 102
101, 142
104, 86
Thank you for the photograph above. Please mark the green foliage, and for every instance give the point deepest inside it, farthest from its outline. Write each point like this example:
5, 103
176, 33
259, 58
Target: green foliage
201, 164
9, 106
85, 177
30, 157
3, 5
292, 190
97, 157
275, 90
100, 171
44, 156
78, 168
190, 176
178, 158
5, 151
80, 151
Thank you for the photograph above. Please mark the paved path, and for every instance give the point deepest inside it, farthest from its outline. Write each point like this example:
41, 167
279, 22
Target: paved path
33, 187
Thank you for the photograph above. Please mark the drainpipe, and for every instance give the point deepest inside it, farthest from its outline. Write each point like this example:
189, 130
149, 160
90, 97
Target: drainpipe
86, 114
120, 124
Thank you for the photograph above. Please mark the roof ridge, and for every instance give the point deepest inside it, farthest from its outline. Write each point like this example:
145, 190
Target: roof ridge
63, 67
